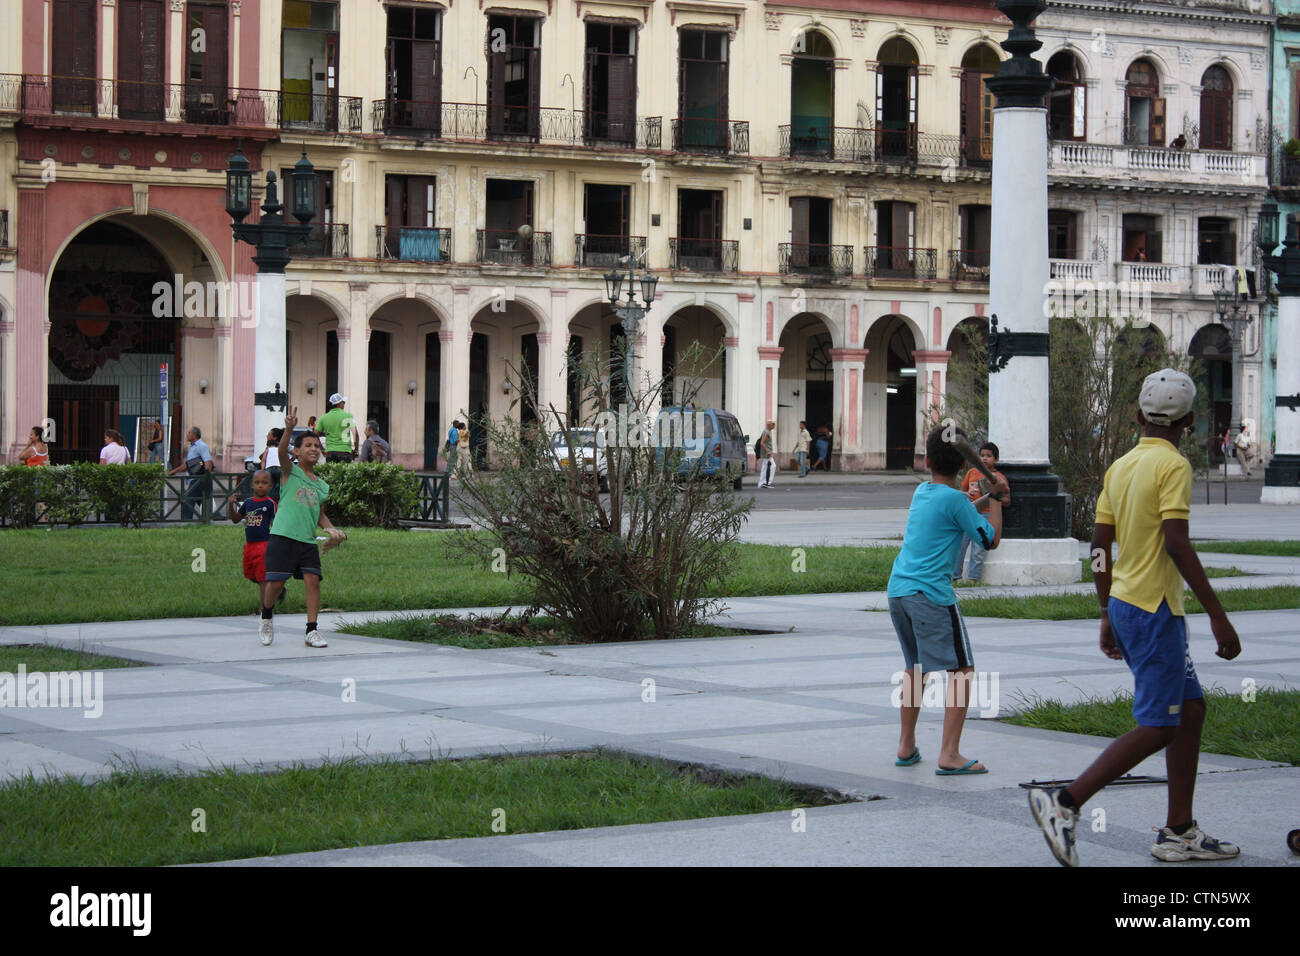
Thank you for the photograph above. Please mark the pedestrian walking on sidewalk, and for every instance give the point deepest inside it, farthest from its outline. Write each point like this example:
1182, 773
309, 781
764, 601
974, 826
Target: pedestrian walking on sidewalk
766, 455
801, 449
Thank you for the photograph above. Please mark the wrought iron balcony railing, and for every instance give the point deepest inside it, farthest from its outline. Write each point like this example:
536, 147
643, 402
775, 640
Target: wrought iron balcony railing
900, 262
703, 255
45, 97
828, 143
726, 137
968, 265
327, 240
804, 258
413, 243
507, 248
594, 251
543, 125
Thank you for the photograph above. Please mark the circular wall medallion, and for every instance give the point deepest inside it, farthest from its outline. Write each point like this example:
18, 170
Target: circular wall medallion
51, 150
124, 154
196, 159
88, 152
160, 156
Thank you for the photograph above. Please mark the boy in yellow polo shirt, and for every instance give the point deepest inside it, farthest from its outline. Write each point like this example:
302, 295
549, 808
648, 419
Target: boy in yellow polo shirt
1144, 505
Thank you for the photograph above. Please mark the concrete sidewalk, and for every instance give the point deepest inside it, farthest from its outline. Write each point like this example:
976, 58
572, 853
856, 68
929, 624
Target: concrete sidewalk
812, 706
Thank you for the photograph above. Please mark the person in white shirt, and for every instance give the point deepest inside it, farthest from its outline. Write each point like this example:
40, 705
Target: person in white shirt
114, 451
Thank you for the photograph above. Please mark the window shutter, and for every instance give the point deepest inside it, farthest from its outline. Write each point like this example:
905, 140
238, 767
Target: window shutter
880, 97
621, 96
534, 91
1158, 122
496, 91
798, 222
395, 213
1080, 129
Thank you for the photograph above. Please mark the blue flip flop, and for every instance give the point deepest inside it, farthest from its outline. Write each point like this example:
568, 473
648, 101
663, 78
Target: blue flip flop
909, 761
960, 771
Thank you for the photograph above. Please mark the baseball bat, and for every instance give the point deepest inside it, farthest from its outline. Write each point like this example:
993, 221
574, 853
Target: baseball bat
972, 456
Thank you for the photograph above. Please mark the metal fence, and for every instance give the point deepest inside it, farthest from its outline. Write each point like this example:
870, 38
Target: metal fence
804, 258
703, 255
507, 248
900, 262
326, 240
595, 251
413, 243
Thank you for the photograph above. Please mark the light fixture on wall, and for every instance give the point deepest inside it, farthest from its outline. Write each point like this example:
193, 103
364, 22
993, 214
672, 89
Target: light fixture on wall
311, 386
795, 393
911, 372
505, 386
411, 386
203, 386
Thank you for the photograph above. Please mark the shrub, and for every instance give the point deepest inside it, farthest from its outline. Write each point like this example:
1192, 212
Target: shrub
19, 493
365, 494
129, 494
1291, 147
640, 562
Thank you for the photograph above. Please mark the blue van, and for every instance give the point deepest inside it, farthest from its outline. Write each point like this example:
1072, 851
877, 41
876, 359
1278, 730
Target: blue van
711, 440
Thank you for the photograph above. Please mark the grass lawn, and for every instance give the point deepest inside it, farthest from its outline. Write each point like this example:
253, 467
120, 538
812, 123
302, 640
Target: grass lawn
1283, 549
1262, 729
198, 571
1074, 607
1087, 574
39, 657
144, 818
485, 632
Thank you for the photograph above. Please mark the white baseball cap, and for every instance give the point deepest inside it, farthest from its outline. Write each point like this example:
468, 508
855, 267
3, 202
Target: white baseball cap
1167, 395
337, 399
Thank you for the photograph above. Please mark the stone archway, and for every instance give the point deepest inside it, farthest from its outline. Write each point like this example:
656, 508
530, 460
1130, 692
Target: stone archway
699, 371
806, 386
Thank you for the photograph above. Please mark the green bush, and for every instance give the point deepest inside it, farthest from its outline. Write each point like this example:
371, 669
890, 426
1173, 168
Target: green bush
129, 494
365, 494
69, 494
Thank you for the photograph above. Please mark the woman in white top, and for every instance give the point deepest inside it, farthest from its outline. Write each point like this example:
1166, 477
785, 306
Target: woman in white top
114, 451
271, 458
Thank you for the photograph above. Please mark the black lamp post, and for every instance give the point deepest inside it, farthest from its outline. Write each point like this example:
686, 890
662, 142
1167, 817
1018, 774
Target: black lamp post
1236, 320
272, 237
632, 311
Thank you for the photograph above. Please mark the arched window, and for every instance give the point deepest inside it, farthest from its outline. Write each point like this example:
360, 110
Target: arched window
896, 84
1216, 109
979, 63
1067, 111
812, 95
1144, 108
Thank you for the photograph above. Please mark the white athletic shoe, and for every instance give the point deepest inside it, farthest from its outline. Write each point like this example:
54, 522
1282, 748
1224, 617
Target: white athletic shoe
266, 632
1192, 845
1057, 822
314, 639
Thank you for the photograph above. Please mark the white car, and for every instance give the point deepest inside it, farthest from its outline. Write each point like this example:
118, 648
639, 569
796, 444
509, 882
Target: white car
588, 447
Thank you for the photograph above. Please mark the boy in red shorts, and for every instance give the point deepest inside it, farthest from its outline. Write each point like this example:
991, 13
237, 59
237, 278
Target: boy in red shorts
257, 513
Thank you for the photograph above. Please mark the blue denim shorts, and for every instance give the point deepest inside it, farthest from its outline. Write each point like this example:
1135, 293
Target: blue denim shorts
1155, 648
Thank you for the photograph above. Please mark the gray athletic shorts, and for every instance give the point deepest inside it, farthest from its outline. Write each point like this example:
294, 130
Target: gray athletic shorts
930, 633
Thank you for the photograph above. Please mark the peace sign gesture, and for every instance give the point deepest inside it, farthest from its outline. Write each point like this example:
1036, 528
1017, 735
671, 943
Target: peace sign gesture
291, 418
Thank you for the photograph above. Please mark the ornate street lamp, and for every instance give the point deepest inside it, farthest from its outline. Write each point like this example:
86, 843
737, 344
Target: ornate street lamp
272, 237
632, 311
1236, 320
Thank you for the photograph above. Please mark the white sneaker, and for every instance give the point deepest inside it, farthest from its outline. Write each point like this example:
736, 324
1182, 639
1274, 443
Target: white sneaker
1192, 845
314, 639
266, 632
1057, 822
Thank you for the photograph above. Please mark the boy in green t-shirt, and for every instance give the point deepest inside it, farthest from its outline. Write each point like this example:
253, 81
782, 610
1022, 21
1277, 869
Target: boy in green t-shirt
292, 550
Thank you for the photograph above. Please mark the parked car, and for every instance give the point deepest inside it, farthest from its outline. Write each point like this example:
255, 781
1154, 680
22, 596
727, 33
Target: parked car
712, 442
588, 447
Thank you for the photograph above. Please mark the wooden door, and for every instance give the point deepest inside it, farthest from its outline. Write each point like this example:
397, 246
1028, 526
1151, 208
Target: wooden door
206, 91
74, 54
140, 56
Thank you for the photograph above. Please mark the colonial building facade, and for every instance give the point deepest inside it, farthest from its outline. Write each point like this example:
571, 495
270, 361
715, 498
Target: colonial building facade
809, 180
1158, 169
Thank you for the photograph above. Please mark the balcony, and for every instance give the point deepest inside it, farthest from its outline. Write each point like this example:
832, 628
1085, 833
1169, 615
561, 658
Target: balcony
412, 243
1080, 270
815, 259
1207, 279
832, 144
1148, 163
39, 98
703, 255
326, 240
505, 247
968, 265
592, 251
900, 262
723, 137
547, 126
